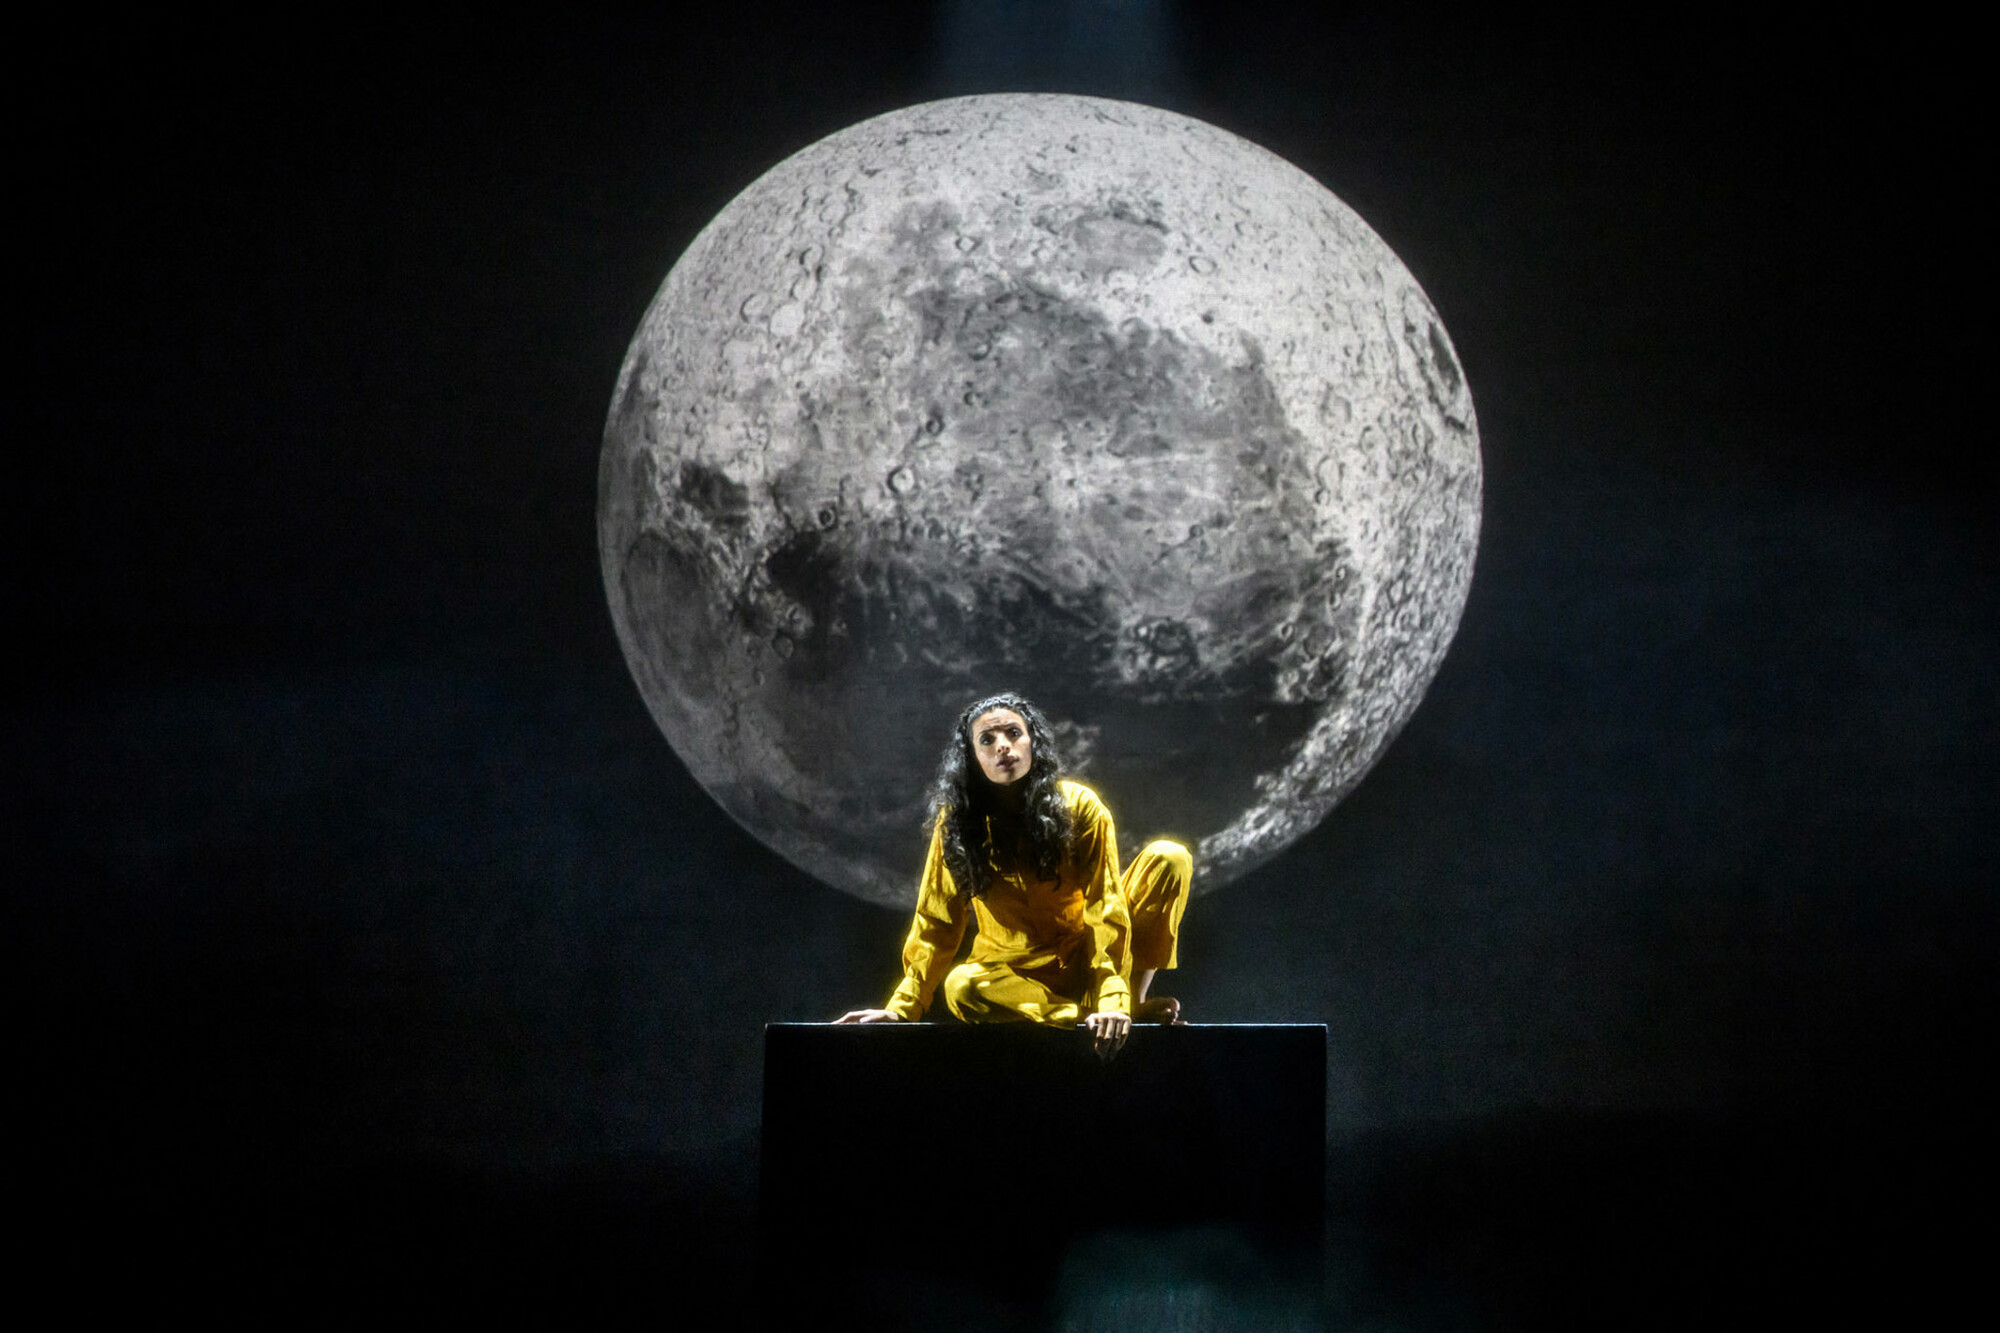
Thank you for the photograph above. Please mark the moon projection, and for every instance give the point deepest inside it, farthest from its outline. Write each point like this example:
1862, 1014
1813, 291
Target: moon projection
1074, 397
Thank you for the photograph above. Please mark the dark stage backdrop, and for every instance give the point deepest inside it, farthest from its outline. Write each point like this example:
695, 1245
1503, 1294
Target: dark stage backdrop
364, 927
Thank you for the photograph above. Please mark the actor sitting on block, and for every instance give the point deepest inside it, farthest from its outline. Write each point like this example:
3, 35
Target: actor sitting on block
1063, 936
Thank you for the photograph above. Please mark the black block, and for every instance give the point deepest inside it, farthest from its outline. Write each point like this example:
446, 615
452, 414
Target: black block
902, 1158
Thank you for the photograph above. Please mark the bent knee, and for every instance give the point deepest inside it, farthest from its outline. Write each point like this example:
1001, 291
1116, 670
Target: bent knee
961, 987
1177, 858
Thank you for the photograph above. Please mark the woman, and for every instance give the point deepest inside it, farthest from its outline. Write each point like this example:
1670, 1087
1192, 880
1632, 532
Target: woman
1063, 936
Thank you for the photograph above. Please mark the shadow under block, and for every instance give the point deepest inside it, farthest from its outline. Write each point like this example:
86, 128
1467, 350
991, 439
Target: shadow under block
912, 1135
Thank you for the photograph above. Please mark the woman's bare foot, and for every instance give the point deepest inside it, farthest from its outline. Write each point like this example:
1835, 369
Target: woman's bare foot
1163, 1009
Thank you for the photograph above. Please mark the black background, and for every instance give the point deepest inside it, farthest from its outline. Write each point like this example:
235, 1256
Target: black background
369, 937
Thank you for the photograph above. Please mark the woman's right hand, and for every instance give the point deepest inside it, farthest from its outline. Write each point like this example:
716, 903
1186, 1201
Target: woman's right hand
871, 1016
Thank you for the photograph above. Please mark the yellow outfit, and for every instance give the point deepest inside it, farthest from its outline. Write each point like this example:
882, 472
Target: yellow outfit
1047, 951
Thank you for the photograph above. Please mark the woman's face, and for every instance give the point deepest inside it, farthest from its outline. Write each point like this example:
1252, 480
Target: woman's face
1000, 740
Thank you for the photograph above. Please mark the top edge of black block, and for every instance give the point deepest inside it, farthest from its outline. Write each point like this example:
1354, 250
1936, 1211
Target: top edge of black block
925, 1025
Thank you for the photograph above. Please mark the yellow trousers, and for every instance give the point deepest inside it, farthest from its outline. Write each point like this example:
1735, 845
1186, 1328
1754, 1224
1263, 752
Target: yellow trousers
1155, 887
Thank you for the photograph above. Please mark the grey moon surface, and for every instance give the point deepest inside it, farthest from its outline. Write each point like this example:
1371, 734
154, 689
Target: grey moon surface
1074, 397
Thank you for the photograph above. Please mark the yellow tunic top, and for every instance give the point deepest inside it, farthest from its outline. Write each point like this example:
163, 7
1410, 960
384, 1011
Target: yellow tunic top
1075, 925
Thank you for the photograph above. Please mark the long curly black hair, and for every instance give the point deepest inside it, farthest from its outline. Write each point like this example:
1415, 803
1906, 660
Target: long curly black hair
975, 820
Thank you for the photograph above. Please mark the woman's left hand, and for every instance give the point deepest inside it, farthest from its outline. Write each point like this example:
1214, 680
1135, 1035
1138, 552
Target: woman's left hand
1108, 1033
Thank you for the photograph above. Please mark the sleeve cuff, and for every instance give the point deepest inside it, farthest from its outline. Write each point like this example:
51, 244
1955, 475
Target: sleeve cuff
905, 1003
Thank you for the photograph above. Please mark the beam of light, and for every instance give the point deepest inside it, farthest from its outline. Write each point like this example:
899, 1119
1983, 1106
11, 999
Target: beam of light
1127, 49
